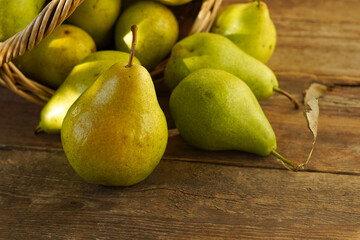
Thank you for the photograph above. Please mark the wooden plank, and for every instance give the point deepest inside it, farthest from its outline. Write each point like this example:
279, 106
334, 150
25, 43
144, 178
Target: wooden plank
318, 37
320, 10
326, 52
18, 120
42, 197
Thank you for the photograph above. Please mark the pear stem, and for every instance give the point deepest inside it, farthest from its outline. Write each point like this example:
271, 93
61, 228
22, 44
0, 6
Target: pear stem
258, 1
133, 45
294, 167
38, 130
291, 98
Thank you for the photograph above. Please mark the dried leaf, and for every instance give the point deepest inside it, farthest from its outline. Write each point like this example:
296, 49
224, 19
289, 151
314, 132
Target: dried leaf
311, 111
315, 90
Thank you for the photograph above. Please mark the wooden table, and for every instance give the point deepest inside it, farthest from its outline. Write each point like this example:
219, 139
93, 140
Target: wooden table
195, 194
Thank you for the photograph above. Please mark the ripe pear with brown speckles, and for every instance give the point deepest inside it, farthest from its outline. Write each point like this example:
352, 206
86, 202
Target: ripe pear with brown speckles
116, 133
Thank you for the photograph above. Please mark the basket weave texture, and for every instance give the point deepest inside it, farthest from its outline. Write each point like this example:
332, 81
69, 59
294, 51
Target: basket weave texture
53, 15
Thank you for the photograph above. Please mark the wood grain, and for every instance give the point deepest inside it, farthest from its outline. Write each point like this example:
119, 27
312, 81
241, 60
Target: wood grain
316, 37
178, 201
196, 194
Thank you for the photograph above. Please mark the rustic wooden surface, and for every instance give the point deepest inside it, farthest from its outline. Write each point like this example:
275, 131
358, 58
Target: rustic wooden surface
195, 194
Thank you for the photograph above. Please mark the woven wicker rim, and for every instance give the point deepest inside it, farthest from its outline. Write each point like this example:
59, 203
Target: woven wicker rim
54, 14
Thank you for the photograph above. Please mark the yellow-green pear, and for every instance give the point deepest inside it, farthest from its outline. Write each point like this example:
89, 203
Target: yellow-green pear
116, 133
53, 58
250, 27
215, 110
80, 78
158, 32
15, 15
97, 17
210, 50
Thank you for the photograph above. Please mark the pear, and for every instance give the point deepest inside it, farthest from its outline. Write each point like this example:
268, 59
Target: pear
15, 15
158, 32
215, 110
116, 133
250, 27
210, 50
80, 78
97, 17
53, 58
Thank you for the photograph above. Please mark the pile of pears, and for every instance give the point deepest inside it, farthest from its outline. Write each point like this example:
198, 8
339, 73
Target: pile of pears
105, 107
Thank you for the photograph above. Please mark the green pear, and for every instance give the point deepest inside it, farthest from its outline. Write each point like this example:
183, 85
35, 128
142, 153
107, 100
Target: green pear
116, 133
158, 32
81, 77
210, 50
215, 110
97, 17
15, 15
250, 27
53, 58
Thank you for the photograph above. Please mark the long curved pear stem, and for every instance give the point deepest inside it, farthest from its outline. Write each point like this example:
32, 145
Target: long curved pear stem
291, 98
133, 45
285, 161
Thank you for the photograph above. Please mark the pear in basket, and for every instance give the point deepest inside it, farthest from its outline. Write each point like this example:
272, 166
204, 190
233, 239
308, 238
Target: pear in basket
53, 58
15, 15
158, 32
97, 17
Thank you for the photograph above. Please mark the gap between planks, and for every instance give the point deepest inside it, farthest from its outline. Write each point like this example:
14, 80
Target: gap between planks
330, 80
180, 159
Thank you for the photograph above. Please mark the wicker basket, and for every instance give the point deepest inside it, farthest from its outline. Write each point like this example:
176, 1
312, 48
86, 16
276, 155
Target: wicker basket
55, 13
